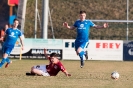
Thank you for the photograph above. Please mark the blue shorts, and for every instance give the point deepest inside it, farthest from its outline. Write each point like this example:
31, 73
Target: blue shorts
7, 49
83, 45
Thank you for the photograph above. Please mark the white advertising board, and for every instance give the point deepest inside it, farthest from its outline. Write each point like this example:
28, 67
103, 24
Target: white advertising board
37, 44
97, 50
105, 50
69, 50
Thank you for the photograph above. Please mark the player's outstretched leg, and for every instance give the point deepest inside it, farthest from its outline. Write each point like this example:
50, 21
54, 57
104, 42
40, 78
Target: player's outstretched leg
81, 55
86, 55
2, 62
82, 63
8, 62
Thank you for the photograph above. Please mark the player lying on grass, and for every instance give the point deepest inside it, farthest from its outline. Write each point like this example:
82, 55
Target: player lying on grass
49, 70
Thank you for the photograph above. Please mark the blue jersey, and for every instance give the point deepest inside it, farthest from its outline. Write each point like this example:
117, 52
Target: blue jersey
83, 28
11, 36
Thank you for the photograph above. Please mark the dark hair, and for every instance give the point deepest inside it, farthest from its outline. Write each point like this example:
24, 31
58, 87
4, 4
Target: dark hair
53, 55
82, 12
15, 20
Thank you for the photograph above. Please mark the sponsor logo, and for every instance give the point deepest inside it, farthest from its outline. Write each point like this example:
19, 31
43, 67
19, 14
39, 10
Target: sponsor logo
129, 45
41, 51
108, 45
130, 51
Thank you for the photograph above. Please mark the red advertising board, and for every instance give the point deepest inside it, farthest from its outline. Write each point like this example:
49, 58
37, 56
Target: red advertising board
13, 2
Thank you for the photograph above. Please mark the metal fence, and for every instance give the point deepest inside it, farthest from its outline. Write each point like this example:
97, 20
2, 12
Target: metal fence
117, 30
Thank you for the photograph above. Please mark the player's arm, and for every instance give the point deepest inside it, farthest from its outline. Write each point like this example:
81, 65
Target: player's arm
64, 70
65, 24
105, 25
1, 37
66, 73
45, 54
4, 37
21, 41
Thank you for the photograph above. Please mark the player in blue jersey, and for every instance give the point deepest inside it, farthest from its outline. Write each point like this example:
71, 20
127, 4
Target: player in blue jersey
12, 34
82, 26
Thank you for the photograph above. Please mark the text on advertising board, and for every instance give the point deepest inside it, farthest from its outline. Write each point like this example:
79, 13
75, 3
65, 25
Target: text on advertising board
108, 45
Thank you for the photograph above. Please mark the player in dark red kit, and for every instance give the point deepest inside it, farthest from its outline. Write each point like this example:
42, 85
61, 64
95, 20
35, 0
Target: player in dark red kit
49, 70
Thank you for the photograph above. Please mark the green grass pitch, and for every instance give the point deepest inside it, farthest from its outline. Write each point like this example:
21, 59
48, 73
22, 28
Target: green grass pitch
95, 74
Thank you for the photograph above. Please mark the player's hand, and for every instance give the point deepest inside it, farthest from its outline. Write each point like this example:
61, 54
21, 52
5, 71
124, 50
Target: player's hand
68, 74
45, 50
22, 47
65, 24
105, 25
1, 39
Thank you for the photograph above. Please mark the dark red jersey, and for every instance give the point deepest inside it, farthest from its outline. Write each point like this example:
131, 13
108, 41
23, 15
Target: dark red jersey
53, 69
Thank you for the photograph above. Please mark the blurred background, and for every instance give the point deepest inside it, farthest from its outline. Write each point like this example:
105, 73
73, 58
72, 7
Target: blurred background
68, 10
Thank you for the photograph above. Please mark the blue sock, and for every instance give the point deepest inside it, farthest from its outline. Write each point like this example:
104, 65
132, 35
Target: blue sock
7, 60
2, 62
81, 55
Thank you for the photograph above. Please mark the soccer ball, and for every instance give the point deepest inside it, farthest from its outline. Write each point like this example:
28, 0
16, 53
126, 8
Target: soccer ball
115, 75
